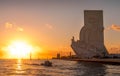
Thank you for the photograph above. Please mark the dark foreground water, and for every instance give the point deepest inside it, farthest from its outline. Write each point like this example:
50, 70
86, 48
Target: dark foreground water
59, 68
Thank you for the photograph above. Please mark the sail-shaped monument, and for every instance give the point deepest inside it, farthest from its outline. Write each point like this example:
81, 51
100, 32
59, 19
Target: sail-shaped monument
91, 37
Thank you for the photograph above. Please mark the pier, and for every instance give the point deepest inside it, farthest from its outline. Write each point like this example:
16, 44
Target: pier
104, 61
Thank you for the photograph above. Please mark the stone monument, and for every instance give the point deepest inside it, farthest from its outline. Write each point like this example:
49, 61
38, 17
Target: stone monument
91, 38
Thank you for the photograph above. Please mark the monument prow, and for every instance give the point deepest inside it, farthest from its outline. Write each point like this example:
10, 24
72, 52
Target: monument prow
91, 38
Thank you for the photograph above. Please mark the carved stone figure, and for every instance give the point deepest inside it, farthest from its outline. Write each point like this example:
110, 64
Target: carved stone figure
91, 38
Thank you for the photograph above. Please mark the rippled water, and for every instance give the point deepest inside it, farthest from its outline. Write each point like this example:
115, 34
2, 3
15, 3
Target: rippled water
59, 68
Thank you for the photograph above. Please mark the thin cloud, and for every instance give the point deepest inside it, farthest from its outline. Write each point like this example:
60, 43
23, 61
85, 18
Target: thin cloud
114, 27
8, 25
19, 29
13, 27
49, 26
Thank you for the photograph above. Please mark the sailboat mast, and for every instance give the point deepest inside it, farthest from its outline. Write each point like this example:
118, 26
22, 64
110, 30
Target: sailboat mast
30, 56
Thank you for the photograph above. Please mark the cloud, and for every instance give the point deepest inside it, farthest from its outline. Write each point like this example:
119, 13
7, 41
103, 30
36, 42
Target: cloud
8, 25
19, 29
13, 27
114, 27
49, 26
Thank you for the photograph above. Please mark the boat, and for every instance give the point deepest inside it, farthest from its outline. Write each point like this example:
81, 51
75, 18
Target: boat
47, 63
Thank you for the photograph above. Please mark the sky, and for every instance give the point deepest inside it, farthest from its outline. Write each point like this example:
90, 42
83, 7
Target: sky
50, 24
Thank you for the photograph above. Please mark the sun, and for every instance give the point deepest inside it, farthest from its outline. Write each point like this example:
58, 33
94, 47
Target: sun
19, 49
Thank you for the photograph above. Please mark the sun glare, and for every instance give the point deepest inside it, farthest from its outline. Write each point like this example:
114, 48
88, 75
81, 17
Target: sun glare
19, 49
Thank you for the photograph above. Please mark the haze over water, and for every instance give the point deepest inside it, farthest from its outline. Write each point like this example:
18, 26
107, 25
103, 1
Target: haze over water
59, 68
46, 27
43, 28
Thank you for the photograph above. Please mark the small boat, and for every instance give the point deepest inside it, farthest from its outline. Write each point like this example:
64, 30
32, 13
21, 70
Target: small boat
47, 63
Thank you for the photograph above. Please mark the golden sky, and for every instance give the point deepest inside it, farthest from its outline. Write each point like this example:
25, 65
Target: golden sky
48, 26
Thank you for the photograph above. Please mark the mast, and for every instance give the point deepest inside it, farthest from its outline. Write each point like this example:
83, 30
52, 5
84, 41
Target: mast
30, 56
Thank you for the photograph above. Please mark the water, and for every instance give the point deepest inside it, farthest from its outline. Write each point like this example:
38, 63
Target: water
59, 68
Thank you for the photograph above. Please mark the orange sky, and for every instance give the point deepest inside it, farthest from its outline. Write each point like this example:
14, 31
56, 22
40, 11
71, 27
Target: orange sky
50, 24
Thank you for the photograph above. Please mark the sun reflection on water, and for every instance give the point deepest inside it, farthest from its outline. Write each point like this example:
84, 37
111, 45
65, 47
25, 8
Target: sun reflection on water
19, 63
19, 67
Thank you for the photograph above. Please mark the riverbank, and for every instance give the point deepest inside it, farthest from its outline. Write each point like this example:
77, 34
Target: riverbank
106, 61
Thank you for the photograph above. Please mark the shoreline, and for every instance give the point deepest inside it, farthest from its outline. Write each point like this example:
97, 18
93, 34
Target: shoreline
104, 61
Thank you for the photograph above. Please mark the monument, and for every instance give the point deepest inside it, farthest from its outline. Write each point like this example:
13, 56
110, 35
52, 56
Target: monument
91, 38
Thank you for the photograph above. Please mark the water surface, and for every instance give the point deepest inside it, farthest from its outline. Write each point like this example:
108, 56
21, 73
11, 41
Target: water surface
59, 68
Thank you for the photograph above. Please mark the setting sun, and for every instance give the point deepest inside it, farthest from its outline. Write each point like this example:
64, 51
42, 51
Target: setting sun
19, 49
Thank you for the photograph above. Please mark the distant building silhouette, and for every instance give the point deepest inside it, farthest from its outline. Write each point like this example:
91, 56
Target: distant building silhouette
70, 54
58, 55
